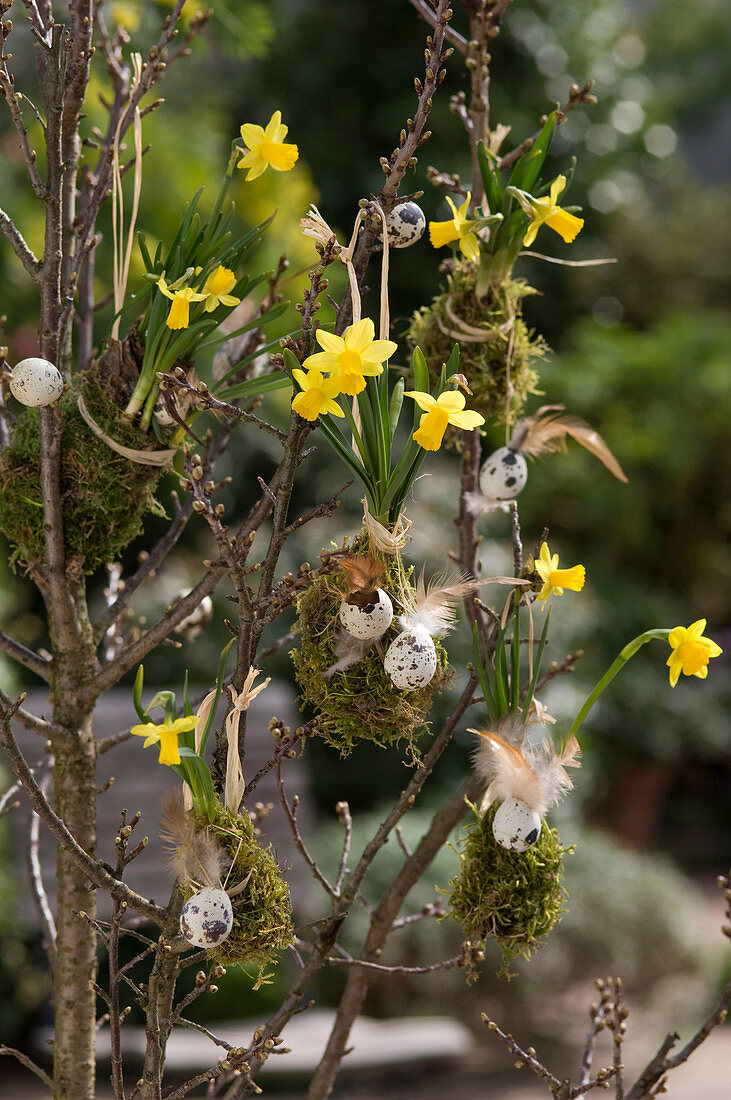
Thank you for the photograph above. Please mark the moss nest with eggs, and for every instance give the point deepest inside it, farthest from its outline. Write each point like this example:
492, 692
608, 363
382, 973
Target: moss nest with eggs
104, 495
263, 910
487, 339
360, 702
514, 897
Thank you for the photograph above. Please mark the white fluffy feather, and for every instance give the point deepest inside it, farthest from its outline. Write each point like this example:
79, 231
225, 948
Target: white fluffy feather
348, 650
431, 606
536, 776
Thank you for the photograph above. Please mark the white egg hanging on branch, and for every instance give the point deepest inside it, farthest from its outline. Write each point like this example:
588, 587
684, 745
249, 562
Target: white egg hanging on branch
411, 659
505, 472
36, 382
526, 781
207, 918
405, 225
196, 858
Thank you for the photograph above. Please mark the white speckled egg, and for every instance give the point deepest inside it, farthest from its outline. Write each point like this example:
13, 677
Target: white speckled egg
36, 382
369, 621
516, 825
411, 659
503, 475
207, 918
405, 224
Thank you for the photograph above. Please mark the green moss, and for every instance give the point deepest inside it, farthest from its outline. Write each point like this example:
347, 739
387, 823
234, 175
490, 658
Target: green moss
104, 495
263, 910
359, 703
515, 897
486, 338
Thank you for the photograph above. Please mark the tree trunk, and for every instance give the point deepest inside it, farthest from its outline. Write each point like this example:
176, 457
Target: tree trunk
76, 947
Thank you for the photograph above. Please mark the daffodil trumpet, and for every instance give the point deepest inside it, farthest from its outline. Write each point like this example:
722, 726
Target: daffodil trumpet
690, 654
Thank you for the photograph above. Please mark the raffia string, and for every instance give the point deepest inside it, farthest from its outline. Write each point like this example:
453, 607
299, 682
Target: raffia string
122, 254
388, 542
235, 785
144, 458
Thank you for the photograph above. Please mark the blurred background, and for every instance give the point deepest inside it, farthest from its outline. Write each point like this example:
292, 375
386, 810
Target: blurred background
639, 348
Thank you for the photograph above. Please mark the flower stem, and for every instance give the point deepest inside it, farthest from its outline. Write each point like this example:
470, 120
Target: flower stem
629, 651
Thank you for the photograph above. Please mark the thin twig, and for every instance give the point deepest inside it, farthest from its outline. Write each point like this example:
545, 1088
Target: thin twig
29, 1064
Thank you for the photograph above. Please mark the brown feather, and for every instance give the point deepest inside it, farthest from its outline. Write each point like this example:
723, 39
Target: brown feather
547, 430
364, 573
194, 856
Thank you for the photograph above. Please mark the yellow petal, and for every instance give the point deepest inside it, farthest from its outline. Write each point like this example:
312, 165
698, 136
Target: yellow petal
379, 351
468, 420
360, 335
469, 246
182, 725
696, 629
531, 232
274, 128
252, 135
323, 361
425, 401
258, 167
557, 187
335, 345
333, 408
301, 377
675, 667
677, 636
143, 730
451, 400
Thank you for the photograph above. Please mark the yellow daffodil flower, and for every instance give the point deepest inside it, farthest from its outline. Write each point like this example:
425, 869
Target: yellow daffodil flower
555, 580
446, 409
267, 148
217, 287
352, 357
691, 652
546, 212
179, 315
166, 734
318, 395
458, 228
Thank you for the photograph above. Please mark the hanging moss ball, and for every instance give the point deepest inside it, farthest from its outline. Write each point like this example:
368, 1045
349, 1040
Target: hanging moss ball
104, 495
262, 911
359, 702
515, 897
487, 338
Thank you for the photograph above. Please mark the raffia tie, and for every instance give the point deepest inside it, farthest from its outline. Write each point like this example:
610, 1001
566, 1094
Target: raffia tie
235, 785
388, 542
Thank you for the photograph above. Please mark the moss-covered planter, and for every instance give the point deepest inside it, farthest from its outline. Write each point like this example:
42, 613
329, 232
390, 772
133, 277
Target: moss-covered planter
262, 910
486, 338
360, 702
104, 495
515, 897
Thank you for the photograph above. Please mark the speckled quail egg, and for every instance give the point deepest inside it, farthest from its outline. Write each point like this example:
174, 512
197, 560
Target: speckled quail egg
411, 659
367, 620
405, 224
503, 475
36, 382
207, 918
516, 825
